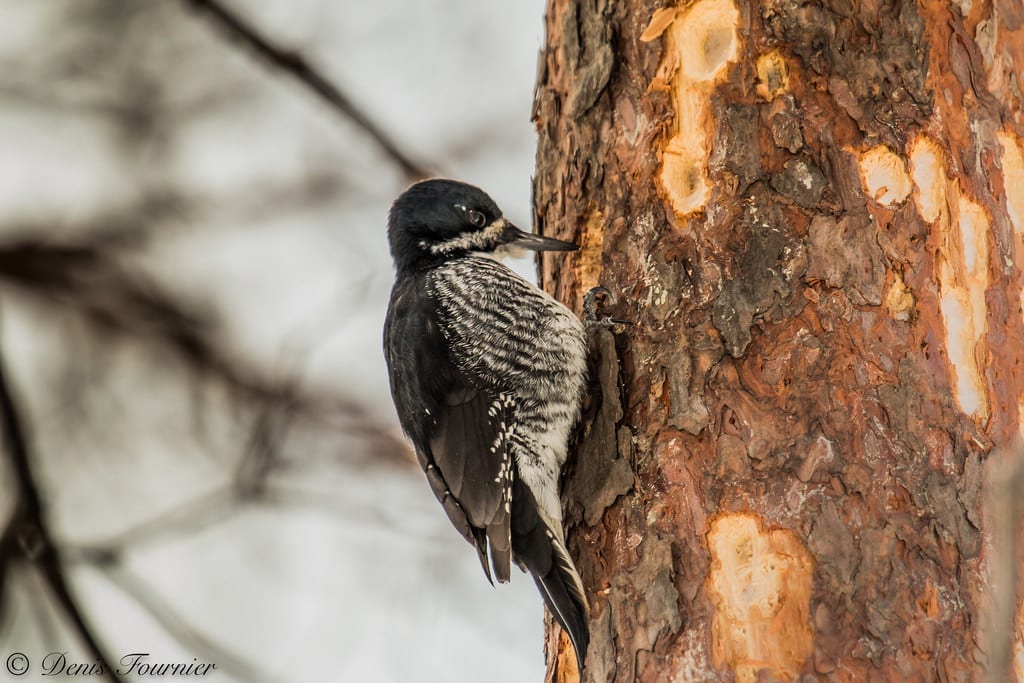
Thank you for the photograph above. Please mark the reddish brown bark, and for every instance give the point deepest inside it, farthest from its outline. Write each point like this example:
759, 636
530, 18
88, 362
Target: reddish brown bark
814, 213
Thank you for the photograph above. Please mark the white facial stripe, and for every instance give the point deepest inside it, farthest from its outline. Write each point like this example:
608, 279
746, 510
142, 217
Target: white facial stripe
471, 241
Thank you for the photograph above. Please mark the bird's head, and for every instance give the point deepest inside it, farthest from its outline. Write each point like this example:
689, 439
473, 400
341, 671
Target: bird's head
437, 219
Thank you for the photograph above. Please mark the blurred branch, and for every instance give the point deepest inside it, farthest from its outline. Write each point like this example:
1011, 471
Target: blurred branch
133, 225
262, 451
120, 106
193, 515
90, 280
28, 531
87, 278
249, 485
29, 93
178, 627
296, 66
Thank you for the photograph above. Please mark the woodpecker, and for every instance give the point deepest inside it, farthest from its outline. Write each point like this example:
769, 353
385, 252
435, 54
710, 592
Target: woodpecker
487, 374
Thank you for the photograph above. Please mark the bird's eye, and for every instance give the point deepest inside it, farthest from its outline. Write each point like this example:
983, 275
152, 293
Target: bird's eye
476, 218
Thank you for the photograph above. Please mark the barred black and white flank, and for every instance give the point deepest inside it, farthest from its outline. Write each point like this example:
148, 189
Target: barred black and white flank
487, 375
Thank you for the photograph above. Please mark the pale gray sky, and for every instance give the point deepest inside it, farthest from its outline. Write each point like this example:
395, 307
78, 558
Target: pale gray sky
264, 209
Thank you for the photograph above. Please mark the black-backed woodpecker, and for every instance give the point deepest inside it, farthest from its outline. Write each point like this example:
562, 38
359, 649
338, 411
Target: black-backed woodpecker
487, 374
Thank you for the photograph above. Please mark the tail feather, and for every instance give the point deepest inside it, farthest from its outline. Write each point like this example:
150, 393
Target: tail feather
542, 551
500, 545
479, 541
563, 594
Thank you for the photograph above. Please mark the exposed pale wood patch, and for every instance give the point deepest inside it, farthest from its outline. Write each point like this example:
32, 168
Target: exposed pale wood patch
884, 176
963, 227
699, 44
1013, 178
760, 584
899, 301
588, 258
928, 171
772, 75
562, 667
963, 280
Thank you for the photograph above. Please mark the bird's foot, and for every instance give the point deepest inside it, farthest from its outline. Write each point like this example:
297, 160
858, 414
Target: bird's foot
595, 302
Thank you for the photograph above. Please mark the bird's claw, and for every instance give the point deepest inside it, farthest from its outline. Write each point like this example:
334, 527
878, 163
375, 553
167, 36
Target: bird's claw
594, 300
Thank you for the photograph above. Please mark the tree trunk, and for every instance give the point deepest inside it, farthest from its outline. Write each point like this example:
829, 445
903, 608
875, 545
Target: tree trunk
813, 214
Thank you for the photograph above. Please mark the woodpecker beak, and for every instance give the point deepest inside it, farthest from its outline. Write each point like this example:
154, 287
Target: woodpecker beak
527, 240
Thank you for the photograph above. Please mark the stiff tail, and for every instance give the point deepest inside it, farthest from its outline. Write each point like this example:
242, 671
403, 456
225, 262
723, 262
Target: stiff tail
564, 596
542, 551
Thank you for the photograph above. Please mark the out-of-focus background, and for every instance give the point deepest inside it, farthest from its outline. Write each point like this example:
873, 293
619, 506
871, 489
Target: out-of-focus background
201, 458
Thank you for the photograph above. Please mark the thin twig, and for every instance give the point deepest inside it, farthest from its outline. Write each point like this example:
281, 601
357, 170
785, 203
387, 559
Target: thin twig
178, 627
192, 516
89, 279
86, 277
29, 527
296, 66
263, 449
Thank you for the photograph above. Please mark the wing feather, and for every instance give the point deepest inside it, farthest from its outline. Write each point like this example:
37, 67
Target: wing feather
464, 444
471, 441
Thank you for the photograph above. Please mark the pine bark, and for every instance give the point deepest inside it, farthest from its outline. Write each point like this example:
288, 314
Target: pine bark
813, 213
